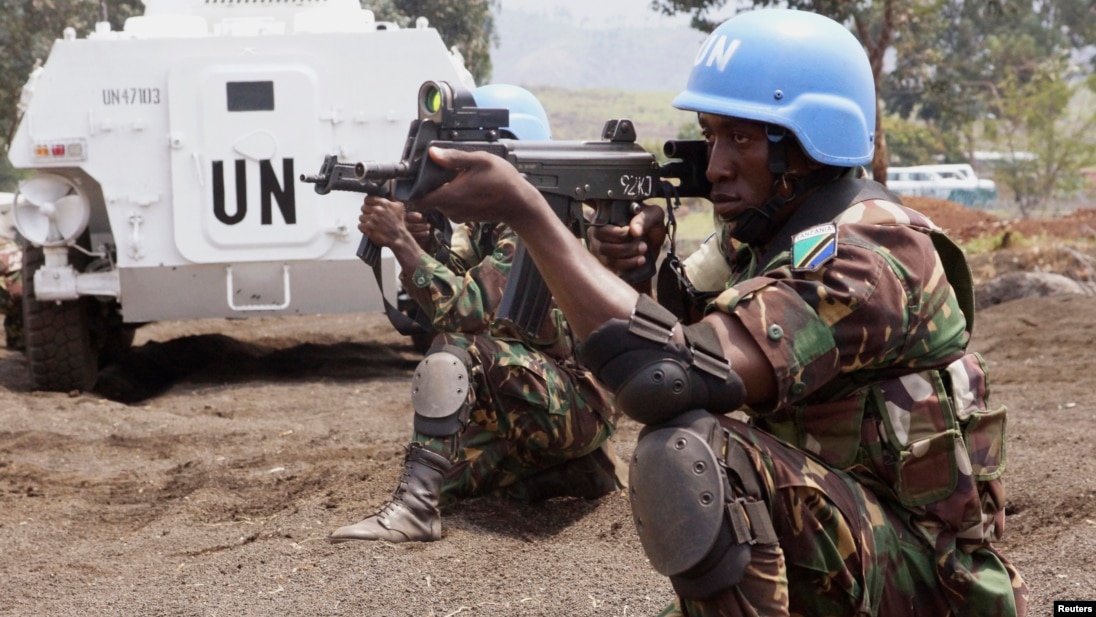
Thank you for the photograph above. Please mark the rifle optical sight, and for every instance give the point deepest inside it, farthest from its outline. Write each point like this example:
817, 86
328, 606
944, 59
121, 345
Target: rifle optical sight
439, 101
452, 108
430, 99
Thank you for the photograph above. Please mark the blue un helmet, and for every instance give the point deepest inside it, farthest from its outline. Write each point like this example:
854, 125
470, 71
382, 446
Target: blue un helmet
528, 119
793, 69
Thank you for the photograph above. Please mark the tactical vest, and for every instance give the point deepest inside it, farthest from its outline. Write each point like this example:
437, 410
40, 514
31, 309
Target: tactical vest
927, 440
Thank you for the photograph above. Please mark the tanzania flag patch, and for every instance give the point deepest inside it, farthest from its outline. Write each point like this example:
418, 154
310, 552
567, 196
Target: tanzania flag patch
814, 247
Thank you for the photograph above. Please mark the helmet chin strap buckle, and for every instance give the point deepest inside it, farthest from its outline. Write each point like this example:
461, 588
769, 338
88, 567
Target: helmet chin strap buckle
778, 149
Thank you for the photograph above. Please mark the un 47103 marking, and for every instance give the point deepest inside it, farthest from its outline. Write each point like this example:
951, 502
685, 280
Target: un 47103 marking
131, 96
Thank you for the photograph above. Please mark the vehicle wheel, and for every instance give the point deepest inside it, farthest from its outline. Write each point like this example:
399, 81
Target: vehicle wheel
110, 336
60, 353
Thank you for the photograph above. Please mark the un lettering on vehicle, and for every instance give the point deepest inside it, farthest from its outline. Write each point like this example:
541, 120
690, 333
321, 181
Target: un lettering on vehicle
242, 134
256, 203
231, 207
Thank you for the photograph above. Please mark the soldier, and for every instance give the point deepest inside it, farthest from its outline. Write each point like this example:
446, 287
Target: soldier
867, 479
11, 292
494, 407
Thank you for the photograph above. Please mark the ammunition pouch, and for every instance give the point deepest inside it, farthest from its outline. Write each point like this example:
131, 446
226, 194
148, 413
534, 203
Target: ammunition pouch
929, 438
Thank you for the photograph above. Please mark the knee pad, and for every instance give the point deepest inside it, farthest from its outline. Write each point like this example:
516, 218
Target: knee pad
654, 379
695, 520
441, 391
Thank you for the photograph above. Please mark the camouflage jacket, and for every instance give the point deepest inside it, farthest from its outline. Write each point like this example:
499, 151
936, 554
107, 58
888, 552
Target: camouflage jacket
11, 268
865, 321
463, 294
879, 305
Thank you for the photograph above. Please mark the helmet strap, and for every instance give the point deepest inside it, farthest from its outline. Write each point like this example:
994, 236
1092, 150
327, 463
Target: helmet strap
757, 225
778, 149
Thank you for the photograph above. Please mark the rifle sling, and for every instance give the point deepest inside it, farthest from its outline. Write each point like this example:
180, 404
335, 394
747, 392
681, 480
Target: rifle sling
403, 324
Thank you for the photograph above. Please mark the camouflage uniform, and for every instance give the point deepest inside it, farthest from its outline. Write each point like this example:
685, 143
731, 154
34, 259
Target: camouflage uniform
880, 459
534, 406
11, 292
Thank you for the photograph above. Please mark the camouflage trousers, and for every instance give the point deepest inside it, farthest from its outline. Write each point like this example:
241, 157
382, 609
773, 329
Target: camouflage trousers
11, 307
531, 412
11, 292
843, 551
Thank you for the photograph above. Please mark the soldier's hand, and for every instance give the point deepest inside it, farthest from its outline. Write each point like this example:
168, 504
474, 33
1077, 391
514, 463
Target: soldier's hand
382, 220
487, 188
626, 248
420, 229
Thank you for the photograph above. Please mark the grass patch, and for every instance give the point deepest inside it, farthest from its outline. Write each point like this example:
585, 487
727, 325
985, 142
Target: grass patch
996, 242
694, 223
581, 113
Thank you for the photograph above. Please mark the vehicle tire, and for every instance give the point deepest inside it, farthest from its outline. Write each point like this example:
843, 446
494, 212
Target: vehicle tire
110, 336
61, 355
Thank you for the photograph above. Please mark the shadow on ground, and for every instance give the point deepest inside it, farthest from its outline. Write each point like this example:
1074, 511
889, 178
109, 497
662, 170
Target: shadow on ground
151, 369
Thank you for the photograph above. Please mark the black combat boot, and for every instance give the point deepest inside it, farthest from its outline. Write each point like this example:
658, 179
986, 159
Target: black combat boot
592, 476
412, 514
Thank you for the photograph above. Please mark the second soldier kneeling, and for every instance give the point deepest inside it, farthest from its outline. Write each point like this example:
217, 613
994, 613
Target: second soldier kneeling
495, 409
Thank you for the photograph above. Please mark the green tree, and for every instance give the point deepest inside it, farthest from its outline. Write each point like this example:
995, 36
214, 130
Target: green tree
1045, 140
952, 61
998, 75
913, 143
27, 31
29, 27
468, 25
952, 57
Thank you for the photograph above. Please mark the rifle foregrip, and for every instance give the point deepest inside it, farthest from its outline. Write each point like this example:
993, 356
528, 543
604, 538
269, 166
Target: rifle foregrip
526, 297
369, 252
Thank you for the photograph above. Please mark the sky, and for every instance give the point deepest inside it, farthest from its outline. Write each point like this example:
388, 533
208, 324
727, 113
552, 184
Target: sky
597, 14
648, 49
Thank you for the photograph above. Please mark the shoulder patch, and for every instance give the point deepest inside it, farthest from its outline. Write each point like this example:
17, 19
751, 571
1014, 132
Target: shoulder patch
813, 247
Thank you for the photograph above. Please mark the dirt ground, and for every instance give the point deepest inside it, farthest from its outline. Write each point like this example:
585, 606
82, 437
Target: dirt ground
202, 478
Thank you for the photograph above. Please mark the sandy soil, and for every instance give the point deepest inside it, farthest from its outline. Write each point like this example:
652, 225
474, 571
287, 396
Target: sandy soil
204, 475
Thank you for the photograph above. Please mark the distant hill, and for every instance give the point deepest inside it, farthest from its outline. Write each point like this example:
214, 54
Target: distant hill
540, 50
581, 113
585, 76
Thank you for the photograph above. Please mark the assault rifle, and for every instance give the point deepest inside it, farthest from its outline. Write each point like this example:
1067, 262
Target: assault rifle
612, 174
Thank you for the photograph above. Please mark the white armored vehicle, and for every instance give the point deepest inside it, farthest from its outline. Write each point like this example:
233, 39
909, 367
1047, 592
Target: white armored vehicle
167, 160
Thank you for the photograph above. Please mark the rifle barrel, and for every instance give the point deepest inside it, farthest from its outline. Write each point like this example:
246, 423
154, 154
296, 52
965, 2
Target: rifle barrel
372, 170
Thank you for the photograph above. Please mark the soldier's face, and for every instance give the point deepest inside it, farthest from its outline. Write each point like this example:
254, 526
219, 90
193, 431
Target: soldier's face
738, 165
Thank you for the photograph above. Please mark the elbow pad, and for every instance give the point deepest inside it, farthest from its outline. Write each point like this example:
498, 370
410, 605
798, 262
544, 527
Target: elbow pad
654, 379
